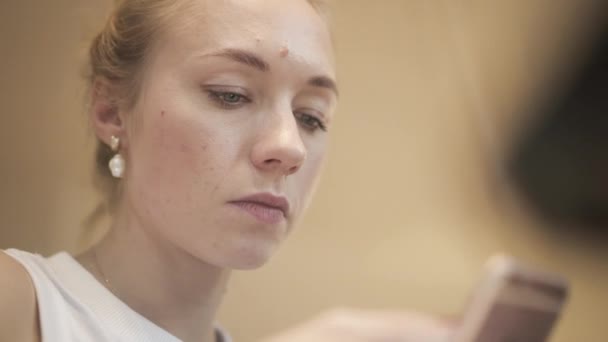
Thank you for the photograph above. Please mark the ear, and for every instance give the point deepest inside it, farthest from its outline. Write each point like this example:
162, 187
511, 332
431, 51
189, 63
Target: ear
105, 111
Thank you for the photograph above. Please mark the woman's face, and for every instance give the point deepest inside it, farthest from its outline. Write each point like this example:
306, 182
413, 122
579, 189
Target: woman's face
229, 133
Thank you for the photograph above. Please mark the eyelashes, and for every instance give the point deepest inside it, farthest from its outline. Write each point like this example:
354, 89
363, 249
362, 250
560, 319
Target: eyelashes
310, 122
228, 99
232, 100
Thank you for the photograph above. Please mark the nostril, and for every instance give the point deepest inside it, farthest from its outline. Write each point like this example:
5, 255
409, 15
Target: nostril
278, 164
294, 169
272, 161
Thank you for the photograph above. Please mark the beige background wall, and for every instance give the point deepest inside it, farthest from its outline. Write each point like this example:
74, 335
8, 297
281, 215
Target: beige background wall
412, 200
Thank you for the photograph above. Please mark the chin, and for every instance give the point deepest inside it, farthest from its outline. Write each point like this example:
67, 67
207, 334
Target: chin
250, 255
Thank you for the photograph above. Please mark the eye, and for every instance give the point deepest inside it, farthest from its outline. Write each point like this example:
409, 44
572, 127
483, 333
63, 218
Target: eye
310, 122
228, 99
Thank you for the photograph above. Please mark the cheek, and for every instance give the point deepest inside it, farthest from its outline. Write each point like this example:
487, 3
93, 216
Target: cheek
179, 148
173, 162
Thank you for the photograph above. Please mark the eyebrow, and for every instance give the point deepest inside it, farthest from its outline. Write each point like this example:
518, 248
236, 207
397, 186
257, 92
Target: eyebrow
244, 57
324, 82
252, 60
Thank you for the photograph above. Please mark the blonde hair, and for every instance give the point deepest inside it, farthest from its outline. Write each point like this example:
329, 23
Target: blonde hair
117, 54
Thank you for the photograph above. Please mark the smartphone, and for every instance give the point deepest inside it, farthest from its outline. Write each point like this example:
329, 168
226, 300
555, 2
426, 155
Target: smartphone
513, 303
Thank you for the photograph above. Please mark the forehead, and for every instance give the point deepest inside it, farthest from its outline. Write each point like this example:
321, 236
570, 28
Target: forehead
266, 27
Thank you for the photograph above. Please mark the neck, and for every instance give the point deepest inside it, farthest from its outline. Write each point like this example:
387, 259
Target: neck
165, 284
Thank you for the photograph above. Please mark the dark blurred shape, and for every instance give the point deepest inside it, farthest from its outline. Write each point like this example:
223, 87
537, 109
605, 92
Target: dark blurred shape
560, 162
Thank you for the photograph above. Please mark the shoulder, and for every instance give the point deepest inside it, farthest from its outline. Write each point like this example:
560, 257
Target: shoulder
18, 311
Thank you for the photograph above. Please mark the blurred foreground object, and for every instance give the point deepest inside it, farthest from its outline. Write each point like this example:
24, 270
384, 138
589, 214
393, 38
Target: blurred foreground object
514, 302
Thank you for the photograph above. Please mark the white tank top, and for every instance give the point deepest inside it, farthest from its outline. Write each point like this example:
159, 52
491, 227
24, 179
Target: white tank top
74, 306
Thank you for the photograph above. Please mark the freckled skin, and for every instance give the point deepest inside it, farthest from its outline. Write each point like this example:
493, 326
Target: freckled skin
187, 163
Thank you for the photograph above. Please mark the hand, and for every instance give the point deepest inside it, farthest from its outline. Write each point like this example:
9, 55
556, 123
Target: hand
350, 325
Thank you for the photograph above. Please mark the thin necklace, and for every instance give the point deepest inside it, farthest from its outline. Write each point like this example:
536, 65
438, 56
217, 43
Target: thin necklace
101, 272
218, 334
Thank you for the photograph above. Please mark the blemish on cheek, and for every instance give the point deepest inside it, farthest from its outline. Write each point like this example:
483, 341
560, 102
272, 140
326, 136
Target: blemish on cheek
284, 52
215, 188
183, 148
162, 113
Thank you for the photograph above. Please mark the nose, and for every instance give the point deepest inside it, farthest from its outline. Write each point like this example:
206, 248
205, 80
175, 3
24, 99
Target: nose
279, 147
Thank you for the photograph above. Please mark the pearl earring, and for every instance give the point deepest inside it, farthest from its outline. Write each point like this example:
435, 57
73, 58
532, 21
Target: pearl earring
117, 163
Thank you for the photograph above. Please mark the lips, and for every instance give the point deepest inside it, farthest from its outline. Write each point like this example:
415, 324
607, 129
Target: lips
265, 207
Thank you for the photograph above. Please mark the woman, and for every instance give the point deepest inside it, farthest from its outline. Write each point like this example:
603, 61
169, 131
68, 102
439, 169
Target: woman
212, 119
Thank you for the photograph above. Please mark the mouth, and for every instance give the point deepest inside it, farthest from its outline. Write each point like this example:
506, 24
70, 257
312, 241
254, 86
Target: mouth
265, 207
